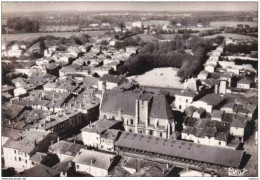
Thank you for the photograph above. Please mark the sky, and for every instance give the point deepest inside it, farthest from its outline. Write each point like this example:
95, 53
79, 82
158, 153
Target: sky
128, 6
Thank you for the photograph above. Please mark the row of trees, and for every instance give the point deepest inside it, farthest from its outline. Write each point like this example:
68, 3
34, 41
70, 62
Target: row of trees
128, 42
21, 24
241, 48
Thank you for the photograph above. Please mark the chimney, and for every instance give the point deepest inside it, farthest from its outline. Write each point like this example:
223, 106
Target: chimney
69, 164
58, 139
51, 142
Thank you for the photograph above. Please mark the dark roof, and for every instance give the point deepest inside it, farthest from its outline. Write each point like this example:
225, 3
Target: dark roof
37, 157
64, 166
27, 143
217, 114
64, 147
110, 134
182, 149
113, 78
100, 126
13, 110
126, 101
212, 99
13, 134
244, 81
238, 122
39, 171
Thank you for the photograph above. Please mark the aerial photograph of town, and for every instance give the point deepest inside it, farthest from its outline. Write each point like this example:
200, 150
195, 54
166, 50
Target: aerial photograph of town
129, 89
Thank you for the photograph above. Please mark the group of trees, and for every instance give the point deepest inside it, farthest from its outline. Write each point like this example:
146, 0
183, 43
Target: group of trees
128, 42
21, 24
210, 32
241, 48
169, 54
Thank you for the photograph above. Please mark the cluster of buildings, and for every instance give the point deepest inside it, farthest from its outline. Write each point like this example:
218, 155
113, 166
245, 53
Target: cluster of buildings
87, 121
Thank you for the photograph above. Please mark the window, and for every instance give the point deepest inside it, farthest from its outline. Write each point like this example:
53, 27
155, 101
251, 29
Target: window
179, 106
186, 100
130, 130
77, 166
14, 151
219, 143
26, 161
33, 163
160, 134
15, 158
131, 121
20, 159
151, 132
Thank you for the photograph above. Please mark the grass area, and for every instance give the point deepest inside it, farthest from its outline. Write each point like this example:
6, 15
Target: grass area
146, 37
218, 24
233, 36
31, 36
160, 77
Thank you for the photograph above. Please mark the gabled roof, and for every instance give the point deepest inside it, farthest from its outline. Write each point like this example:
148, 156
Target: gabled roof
212, 99
113, 78
93, 158
187, 93
126, 101
244, 81
238, 122
64, 147
100, 126
181, 149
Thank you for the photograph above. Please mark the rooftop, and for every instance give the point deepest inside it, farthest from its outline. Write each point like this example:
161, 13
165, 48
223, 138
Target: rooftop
100, 126
182, 149
93, 158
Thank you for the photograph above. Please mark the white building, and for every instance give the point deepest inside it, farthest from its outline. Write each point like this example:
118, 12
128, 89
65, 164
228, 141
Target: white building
93, 162
137, 24
184, 99
17, 153
244, 83
237, 128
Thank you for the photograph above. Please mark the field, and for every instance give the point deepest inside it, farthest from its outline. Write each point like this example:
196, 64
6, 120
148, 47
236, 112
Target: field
160, 77
217, 24
233, 36
146, 37
31, 36
155, 22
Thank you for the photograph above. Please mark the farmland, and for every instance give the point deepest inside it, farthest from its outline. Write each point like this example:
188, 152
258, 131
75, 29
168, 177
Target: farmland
160, 77
233, 36
218, 24
31, 36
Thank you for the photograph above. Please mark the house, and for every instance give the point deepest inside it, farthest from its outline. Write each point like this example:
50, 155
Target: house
244, 83
217, 115
46, 159
94, 162
66, 168
17, 154
108, 139
91, 134
226, 77
237, 128
109, 81
203, 75
10, 133
210, 68
65, 150
142, 113
137, 24
13, 111
184, 99
199, 113
209, 102
39, 171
